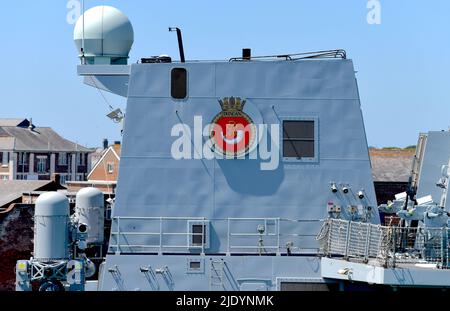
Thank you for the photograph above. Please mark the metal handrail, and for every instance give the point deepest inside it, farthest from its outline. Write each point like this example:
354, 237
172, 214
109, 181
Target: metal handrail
338, 53
234, 239
388, 245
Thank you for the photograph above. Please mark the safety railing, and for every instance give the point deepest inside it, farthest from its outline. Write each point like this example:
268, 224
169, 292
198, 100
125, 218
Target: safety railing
389, 246
342, 54
257, 236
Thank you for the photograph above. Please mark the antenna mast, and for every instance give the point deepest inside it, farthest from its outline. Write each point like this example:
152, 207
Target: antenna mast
180, 42
82, 38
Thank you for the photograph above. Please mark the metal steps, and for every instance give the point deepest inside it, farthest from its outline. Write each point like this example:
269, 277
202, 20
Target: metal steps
216, 275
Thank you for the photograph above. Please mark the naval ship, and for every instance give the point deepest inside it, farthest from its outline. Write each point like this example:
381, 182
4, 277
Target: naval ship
251, 173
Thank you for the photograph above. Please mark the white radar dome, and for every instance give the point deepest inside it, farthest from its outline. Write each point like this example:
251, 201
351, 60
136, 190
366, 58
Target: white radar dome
105, 35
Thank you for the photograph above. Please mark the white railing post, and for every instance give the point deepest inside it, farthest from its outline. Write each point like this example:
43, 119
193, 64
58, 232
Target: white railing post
347, 240
367, 246
278, 237
330, 232
446, 248
118, 236
443, 230
203, 235
160, 235
394, 245
228, 237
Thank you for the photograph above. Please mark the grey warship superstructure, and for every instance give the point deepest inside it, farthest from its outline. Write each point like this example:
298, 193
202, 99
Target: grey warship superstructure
229, 170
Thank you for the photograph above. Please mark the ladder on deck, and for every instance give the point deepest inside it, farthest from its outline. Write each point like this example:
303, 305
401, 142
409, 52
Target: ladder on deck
216, 275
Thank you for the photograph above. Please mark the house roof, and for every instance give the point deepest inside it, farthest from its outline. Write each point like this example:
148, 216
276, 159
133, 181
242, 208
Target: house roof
14, 122
113, 149
391, 165
11, 190
39, 139
117, 148
6, 142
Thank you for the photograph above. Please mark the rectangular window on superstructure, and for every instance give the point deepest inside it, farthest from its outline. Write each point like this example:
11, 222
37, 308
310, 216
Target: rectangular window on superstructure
198, 235
299, 139
178, 89
110, 168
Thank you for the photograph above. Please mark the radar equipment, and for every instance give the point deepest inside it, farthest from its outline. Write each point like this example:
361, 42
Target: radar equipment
116, 115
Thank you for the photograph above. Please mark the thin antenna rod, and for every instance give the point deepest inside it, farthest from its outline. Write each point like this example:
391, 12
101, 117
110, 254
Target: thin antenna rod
82, 38
180, 42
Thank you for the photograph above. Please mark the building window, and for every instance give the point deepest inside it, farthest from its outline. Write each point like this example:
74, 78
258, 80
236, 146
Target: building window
41, 164
62, 159
110, 167
4, 177
80, 159
23, 158
63, 179
5, 158
299, 139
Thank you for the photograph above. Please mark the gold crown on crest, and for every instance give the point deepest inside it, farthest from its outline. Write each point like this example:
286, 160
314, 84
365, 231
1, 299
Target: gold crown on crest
232, 104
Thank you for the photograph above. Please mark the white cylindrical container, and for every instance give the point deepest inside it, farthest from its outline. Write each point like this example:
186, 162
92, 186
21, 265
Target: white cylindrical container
90, 210
51, 227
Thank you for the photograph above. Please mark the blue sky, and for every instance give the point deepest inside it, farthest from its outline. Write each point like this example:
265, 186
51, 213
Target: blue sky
403, 64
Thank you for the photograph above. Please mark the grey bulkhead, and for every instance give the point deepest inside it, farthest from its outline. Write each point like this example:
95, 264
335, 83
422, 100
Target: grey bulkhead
153, 184
436, 154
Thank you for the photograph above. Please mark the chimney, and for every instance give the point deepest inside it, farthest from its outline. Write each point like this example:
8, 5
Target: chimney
117, 142
31, 126
56, 178
246, 54
105, 143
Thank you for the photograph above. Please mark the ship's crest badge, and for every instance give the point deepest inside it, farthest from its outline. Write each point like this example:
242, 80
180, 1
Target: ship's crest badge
232, 131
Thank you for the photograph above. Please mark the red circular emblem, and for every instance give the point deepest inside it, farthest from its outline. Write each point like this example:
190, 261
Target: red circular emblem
232, 131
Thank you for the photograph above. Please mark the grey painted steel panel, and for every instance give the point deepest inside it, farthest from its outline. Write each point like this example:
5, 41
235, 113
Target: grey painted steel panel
90, 210
437, 154
51, 232
153, 184
400, 276
238, 272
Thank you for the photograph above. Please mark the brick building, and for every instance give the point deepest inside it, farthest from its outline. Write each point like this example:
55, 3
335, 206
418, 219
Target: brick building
28, 152
104, 172
391, 169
